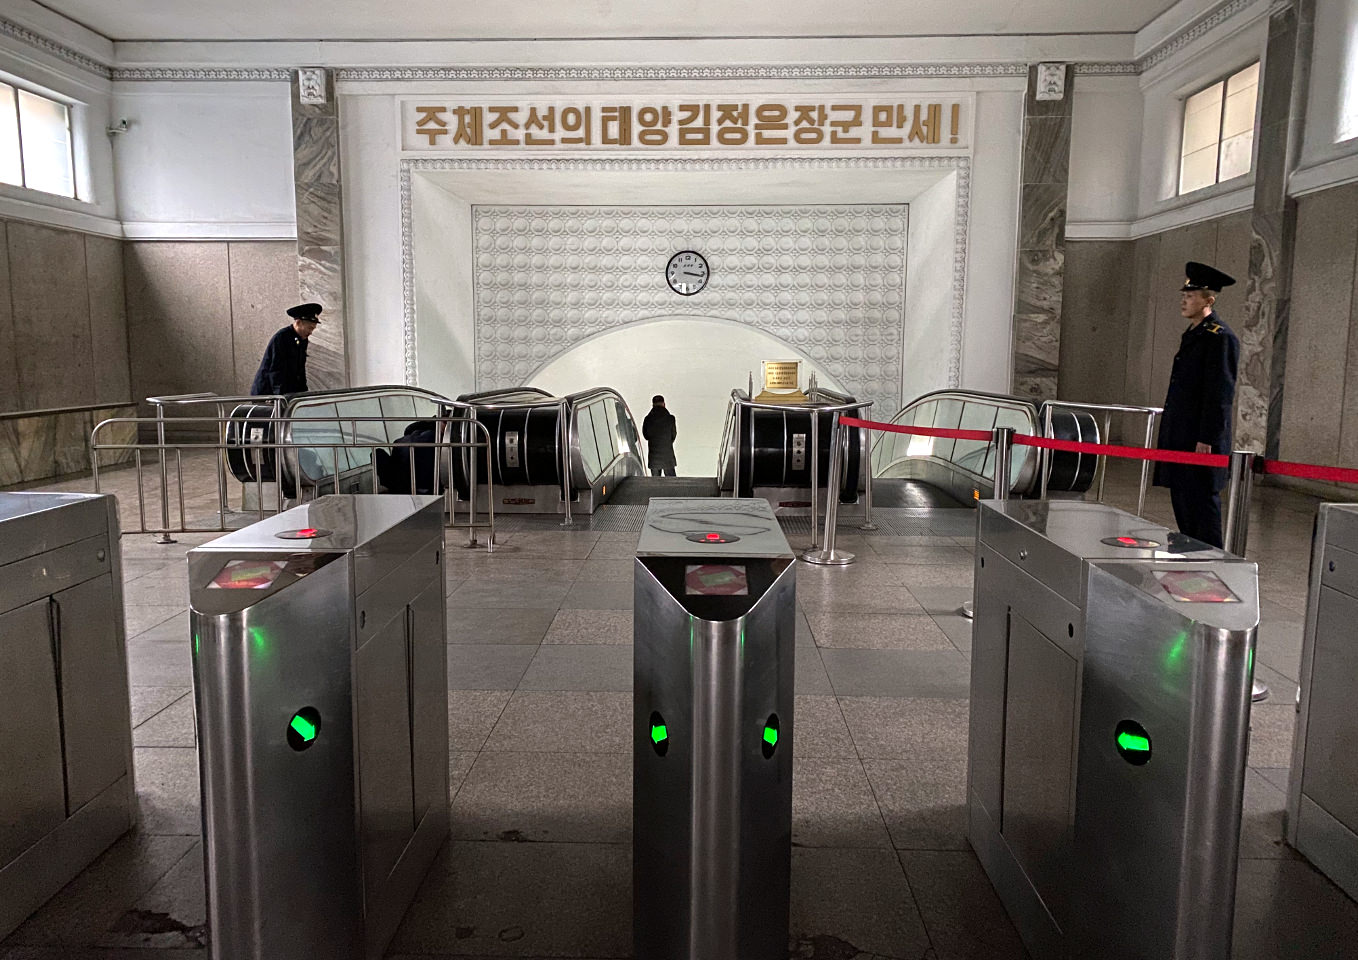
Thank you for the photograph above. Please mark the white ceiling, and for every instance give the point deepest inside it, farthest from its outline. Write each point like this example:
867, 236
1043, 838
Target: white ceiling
574, 19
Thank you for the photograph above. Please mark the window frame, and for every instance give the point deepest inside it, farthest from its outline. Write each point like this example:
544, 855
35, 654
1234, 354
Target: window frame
1223, 79
16, 87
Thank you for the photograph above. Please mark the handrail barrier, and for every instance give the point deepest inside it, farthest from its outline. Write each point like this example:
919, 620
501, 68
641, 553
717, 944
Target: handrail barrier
287, 452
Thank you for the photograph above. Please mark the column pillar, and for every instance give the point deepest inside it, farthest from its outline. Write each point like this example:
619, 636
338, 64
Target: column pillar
1273, 224
1040, 274
320, 221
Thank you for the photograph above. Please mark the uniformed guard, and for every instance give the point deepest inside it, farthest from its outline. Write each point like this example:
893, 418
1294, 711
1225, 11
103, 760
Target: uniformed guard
1198, 404
283, 368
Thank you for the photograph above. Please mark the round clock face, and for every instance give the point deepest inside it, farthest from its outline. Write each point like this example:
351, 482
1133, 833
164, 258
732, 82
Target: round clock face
686, 272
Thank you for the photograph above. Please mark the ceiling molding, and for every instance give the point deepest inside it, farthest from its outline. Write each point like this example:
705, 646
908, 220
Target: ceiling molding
1194, 30
202, 73
15, 31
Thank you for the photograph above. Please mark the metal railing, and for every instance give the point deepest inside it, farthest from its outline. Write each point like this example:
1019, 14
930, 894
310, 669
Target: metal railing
1107, 409
289, 452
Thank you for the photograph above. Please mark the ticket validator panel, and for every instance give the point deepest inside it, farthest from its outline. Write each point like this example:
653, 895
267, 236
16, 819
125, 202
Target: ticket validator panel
713, 731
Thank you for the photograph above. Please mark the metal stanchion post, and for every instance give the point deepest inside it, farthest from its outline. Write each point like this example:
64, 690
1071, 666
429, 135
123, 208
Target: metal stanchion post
164, 479
815, 468
1145, 465
565, 464
830, 556
735, 445
1237, 532
865, 446
1046, 454
1004, 449
1103, 465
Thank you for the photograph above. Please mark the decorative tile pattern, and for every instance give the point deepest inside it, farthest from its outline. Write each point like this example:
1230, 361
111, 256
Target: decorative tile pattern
827, 280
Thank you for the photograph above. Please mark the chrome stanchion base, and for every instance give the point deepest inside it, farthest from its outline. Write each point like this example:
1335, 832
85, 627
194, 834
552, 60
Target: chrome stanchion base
165, 538
968, 610
1260, 691
831, 558
868, 526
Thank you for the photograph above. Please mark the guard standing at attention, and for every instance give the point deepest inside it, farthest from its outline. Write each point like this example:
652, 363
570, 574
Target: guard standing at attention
1197, 415
283, 368
659, 429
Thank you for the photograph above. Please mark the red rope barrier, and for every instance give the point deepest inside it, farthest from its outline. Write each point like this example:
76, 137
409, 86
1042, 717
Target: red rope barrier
1310, 471
1134, 453
918, 431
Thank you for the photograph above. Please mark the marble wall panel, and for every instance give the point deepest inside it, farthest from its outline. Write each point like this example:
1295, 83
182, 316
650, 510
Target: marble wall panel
108, 320
1140, 319
10, 472
1318, 339
1094, 319
179, 318
115, 433
1233, 257
51, 309
1046, 150
9, 364
263, 278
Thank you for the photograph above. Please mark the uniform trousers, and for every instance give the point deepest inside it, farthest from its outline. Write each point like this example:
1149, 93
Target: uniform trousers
1197, 511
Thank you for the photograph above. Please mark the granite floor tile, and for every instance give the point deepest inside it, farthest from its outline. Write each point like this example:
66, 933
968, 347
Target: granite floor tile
891, 551
1271, 726
617, 570
172, 914
558, 797
472, 714
957, 629
136, 567
87, 906
138, 618
919, 575
459, 765
856, 597
590, 627
171, 727
158, 590
579, 667
146, 702
863, 570
923, 802
809, 676
564, 722
1280, 689
942, 599
599, 595
480, 666
1275, 775
614, 549
507, 596
833, 805
907, 729
1261, 821
167, 790
1286, 910
521, 571
850, 903
498, 625
1279, 646
159, 664
174, 630
877, 631
523, 899
898, 673
964, 918
820, 730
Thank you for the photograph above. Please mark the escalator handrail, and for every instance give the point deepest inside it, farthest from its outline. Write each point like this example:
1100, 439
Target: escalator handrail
741, 398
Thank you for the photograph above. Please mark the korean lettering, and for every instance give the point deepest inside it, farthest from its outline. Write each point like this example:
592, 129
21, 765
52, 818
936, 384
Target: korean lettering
770, 123
808, 123
576, 120
733, 120
926, 131
539, 119
429, 122
887, 117
615, 126
654, 123
695, 124
502, 119
847, 117
468, 129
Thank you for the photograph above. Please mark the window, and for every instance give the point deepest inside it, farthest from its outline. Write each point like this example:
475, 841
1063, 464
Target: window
35, 142
1219, 131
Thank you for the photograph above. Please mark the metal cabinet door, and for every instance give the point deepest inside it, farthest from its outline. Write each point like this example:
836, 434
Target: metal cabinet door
32, 790
96, 719
1332, 726
429, 698
383, 724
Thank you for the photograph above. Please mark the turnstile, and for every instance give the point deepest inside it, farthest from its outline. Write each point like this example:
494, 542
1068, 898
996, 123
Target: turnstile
713, 730
320, 680
66, 791
1110, 699
1322, 796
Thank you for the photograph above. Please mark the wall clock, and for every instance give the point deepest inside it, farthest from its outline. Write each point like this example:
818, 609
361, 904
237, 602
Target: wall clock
686, 272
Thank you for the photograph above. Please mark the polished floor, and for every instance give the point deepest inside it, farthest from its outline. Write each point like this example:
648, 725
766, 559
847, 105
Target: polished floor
540, 665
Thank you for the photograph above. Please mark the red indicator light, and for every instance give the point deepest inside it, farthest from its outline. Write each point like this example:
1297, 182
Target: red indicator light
304, 533
308, 532
714, 536
1129, 541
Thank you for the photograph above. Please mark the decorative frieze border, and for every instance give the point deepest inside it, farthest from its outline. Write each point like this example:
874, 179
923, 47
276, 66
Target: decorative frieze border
15, 31
961, 226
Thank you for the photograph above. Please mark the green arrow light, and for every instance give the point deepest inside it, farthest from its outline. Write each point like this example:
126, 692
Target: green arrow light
304, 727
771, 736
658, 733
1130, 741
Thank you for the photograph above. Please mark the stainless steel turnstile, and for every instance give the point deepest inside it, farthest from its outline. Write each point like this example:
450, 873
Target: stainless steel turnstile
66, 790
1110, 699
712, 709
320, 679
1322, 796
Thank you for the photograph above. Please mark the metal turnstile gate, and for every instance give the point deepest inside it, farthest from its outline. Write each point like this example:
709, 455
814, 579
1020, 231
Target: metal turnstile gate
321, 688
1110, 698
1322, 800
713, 730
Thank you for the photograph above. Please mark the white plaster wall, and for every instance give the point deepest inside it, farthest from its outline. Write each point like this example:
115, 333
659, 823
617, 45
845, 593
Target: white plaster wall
1105, 151
1332, 102
659, 356
205, 159
928, 293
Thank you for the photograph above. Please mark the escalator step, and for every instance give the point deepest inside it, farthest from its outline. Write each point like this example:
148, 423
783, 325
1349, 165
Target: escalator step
640, 490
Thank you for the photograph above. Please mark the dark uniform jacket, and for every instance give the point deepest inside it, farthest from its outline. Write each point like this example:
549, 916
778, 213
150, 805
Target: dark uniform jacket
283, 369
1198, 403
659, 429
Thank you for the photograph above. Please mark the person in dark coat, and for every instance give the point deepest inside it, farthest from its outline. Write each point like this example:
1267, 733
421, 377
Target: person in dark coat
1197, 415
283, 368
393, 469
659, 429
